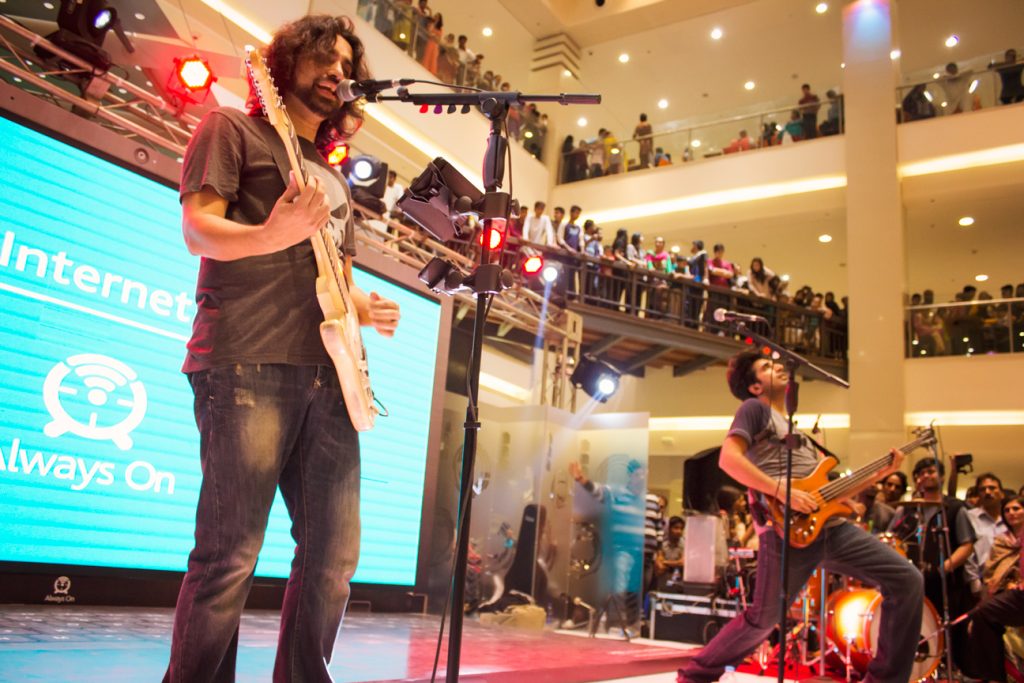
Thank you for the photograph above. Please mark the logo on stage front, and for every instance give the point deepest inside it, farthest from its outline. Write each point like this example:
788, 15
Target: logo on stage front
61, 594
62, 586
95, 397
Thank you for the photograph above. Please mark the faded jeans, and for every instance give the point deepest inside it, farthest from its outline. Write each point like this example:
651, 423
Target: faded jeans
264, 426
842, 548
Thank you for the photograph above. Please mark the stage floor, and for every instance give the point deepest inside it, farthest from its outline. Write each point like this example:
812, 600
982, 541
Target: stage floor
117, 645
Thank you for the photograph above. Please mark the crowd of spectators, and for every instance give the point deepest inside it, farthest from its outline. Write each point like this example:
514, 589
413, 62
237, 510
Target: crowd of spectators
620, 272
605, 154
421, 32
959, 92
973, 323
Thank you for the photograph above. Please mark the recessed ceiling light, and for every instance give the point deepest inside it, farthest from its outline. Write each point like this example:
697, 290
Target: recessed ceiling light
675, 249
716, 33
842, 65
953, 40
581, 122
48, 5
966, 221
138, 67
784, 277
662, 104
122, 91
16, 79
825, 238
895, 54
180, 159
943, 104
149, 83
974, 86
695, 144
140, 16
981, 277
488, 31
821, 7
528, 134
936, 75
749, 85
624, 58
567, 73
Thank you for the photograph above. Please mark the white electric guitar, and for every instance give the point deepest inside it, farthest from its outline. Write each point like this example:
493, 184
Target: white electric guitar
340, 329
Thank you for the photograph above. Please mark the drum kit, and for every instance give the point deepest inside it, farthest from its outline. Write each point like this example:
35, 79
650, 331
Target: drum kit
847, 613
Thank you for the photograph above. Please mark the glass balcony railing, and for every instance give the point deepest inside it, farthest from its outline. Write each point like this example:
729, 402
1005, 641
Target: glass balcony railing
594, 157
967, 328
969, 89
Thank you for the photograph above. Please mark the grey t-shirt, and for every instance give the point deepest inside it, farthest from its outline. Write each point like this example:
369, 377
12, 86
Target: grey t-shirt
765, 431
258, 309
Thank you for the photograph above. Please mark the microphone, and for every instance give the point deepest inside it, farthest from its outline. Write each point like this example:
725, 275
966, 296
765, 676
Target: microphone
349, 90
814, 429
722, 315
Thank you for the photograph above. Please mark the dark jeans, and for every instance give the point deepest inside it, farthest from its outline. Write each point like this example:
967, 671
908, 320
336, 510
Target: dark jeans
987, 654
261, 427
843, 548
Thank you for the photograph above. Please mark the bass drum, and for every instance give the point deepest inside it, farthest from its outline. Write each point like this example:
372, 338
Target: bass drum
854, 617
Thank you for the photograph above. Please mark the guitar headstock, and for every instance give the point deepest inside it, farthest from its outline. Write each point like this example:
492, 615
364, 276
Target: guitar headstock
925, 437
263, 82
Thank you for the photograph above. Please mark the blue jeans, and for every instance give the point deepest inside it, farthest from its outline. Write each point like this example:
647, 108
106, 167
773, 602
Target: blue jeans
261, 427
843, 548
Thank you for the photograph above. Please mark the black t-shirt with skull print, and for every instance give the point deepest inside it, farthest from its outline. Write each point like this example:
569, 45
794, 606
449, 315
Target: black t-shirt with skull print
258, 309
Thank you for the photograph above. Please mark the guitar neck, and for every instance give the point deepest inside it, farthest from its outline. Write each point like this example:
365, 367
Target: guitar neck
851, 484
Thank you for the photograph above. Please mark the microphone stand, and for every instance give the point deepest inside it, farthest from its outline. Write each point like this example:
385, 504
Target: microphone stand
793, 362
486, 281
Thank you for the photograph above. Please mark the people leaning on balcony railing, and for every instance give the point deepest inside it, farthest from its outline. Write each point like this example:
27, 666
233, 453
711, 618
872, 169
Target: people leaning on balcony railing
833, 123
760, 277
1010, 69
809, 106
642, 134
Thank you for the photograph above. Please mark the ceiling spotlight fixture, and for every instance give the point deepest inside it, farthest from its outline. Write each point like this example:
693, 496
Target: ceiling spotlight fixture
974, 86
488, 31
596, 377
749, 85
623, 58
895, 54
966, 221
825, 238
981, 277
821, 7
662, 104
953, 40
695, 144
581, 122
716, 33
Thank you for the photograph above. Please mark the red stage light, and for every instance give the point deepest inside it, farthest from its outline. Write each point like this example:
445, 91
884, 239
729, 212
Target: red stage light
533, 265
495, 238
194, 73
338, 154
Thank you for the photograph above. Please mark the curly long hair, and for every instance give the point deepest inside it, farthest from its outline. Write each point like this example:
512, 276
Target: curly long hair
314, 36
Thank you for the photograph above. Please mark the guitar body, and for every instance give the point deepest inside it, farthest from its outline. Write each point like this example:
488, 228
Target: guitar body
340, 331
804, 529
831, 496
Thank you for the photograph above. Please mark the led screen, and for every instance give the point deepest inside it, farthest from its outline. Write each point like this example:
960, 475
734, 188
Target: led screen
98, 446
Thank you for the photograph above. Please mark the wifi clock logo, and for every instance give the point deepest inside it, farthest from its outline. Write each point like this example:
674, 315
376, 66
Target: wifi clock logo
95, 397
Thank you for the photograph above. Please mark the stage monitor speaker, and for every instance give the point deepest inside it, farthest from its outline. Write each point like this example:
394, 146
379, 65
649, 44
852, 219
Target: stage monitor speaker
705, 548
